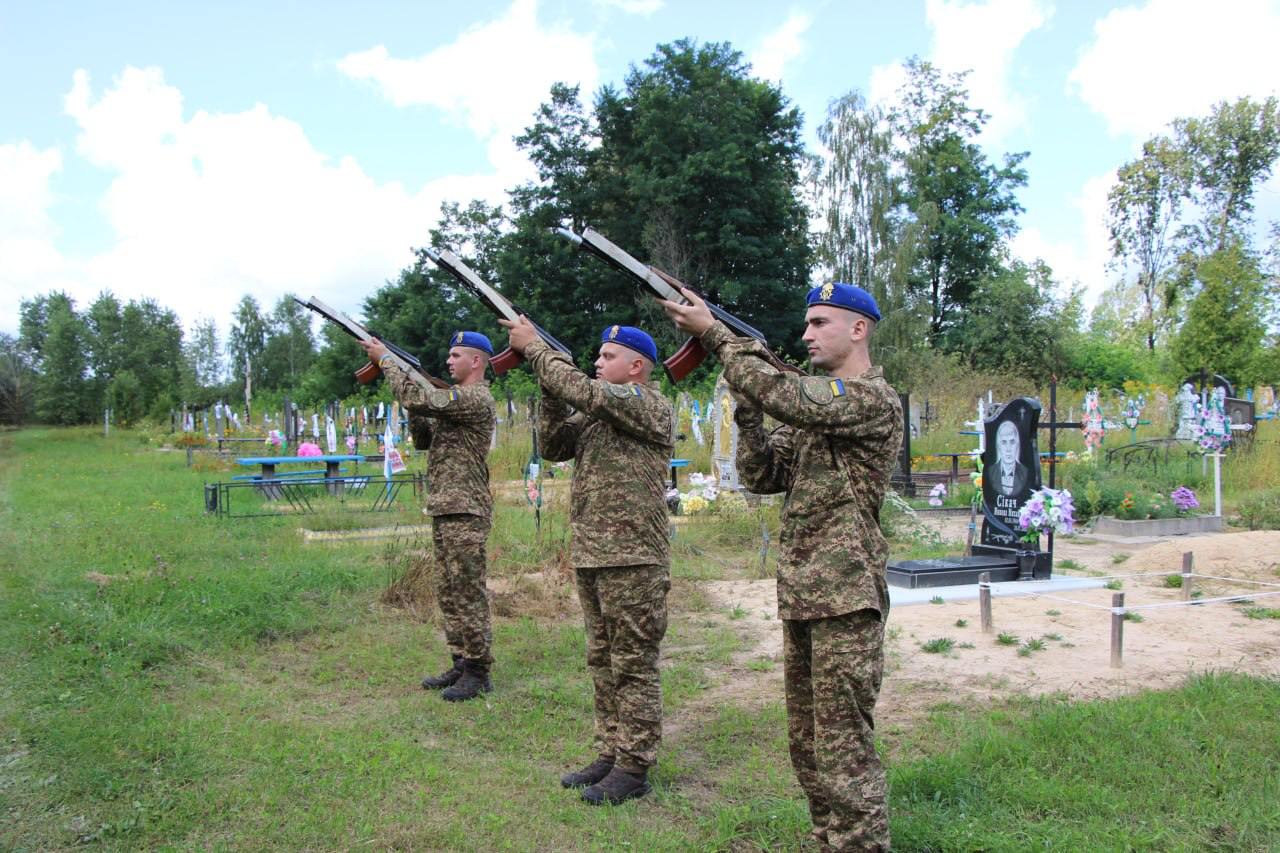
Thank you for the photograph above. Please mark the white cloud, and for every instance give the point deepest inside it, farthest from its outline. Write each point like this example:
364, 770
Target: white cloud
491, 78
981, 38
212, 207
1151, 64
27, 231
1083, 259
632, 7
25, 192
780, 47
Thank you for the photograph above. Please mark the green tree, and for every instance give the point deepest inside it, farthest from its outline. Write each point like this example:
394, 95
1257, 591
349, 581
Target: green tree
63, 393
124, 396
106, 346
203, 354
1223, 331
151, 336
17, 381
701, 165
1144, 208
290, 345
865, 239
966, 207
246, 342
331, 376
1230, 151
1016, 322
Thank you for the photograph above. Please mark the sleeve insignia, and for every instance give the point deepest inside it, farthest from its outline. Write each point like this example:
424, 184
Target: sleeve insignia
625, 390
442, 397
821, 389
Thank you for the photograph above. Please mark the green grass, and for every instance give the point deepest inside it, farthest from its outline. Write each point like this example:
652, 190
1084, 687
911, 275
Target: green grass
1006, 639
1114, 584
938, 645
1178, 770
1262, 612
174, 681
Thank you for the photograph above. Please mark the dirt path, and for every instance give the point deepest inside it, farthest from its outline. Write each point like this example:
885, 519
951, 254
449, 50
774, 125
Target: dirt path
1072, 655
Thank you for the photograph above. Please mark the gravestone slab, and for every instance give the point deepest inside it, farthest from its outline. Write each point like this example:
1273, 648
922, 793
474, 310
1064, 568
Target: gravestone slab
1010, 469
950, 571
725, 450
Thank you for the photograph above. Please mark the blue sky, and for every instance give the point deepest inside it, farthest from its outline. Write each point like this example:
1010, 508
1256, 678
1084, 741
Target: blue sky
195, 152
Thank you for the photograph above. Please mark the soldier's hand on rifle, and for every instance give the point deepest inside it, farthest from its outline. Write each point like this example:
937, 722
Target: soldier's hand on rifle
521, 332
692, 319
373, 348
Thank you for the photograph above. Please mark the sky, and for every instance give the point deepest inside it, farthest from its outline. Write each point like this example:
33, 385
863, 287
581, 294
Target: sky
195, 152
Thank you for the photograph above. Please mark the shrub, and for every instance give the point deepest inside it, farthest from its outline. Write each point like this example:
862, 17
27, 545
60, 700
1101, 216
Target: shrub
1261, 510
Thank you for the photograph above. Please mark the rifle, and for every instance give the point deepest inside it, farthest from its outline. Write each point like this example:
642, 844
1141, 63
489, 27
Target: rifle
370, 371
663, 286
495, 302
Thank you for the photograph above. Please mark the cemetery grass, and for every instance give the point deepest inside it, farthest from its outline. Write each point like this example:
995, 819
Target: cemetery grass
176, 680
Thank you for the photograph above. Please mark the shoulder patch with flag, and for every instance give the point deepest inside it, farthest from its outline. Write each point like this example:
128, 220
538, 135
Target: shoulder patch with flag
624, 390
822, 389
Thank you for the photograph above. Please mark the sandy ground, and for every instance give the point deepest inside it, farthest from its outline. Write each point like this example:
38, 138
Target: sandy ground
1074, 628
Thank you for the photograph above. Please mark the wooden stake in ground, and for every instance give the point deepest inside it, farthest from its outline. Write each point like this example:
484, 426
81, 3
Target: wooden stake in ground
1188, 561
984, 600
1117, 629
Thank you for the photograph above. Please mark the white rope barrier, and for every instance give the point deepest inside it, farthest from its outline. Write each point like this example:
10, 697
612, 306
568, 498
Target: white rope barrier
1195, 601
1234, 580
1067, 600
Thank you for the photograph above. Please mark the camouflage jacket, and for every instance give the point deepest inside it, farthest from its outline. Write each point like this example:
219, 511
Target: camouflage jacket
832, 457
460, 422
621, 439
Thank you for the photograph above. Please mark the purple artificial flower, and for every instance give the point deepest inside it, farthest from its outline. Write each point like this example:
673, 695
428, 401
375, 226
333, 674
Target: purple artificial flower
1184, 500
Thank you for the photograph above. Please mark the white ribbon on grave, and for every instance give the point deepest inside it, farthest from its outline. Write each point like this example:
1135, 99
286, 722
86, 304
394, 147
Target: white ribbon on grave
331, 434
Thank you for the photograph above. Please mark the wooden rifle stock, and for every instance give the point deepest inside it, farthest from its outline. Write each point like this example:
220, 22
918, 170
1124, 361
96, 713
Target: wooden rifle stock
494, 301
663, 286
370, 371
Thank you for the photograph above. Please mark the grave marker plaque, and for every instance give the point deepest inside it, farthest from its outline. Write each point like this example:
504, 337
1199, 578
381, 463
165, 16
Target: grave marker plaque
1010, 469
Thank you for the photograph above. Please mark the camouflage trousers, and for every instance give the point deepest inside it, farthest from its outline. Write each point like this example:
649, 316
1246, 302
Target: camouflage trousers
459, 542
625, 612
832, 672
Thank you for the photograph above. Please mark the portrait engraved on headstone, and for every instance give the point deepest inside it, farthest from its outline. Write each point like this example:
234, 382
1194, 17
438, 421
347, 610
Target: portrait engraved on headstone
1010, 468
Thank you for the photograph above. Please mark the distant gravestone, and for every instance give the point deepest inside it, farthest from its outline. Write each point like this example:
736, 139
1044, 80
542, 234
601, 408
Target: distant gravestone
1010, 468
1188, 408
1265, 398
725, 449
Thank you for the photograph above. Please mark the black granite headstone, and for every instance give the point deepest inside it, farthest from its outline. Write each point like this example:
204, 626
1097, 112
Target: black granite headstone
1010, 469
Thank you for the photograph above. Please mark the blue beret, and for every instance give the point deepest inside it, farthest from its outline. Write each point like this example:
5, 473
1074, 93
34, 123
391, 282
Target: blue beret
631, 338
847, 296
475, 340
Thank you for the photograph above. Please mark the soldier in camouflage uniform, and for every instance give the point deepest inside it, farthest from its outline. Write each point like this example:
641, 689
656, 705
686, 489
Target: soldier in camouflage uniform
621, 437
832, 456
456, 425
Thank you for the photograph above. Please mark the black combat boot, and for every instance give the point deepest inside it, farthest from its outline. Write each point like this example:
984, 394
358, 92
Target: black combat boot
618, 787
474, 681
446, 678
589, 775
